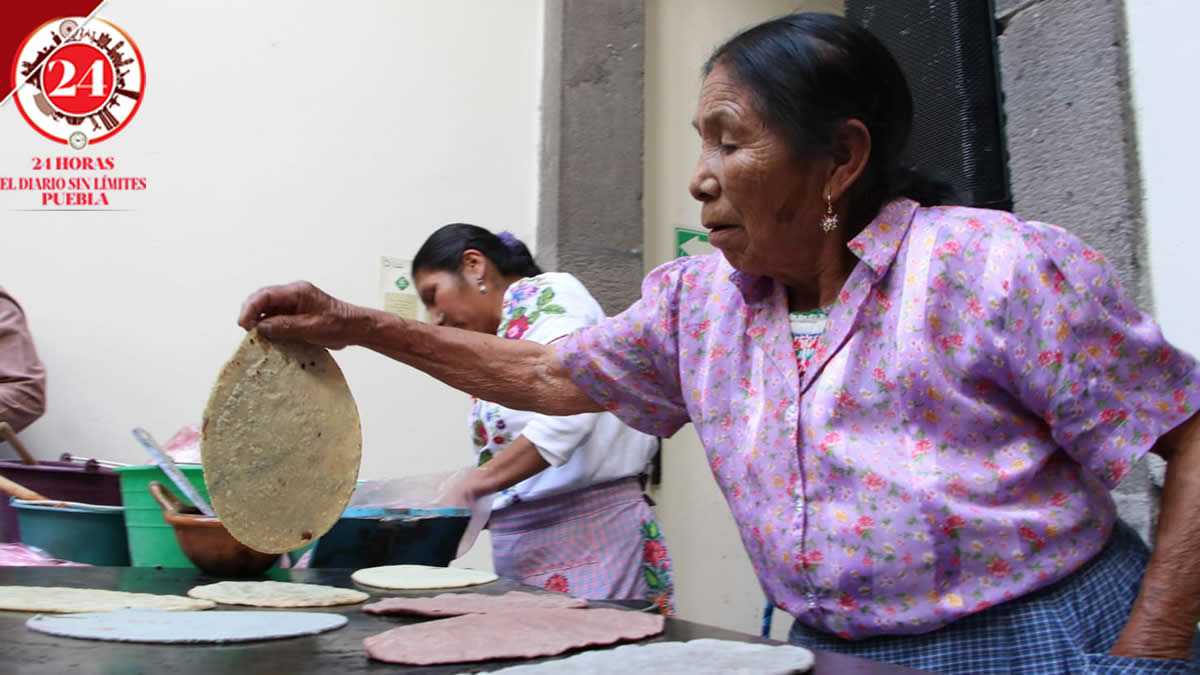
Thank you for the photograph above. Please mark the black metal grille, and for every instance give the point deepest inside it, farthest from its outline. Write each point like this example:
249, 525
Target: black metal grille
947, 49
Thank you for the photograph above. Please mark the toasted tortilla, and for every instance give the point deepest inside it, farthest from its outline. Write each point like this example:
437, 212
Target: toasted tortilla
60, 600
281, 444
277, 594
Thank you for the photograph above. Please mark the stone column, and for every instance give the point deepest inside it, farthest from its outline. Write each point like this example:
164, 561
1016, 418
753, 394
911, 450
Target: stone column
590, 210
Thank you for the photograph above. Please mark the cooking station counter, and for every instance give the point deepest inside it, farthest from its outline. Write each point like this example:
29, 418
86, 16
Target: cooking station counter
340, 651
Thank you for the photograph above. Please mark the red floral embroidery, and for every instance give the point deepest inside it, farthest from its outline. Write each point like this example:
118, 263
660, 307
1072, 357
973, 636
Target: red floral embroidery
557, 582
517, 328
655, 553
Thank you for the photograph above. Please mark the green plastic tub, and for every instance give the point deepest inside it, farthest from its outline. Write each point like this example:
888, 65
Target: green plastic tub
83, 533
151, 540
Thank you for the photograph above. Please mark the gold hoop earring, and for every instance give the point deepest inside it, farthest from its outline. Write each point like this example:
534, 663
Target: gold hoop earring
829, 222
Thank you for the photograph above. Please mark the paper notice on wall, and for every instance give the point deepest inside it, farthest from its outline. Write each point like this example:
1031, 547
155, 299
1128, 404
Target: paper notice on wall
399, 292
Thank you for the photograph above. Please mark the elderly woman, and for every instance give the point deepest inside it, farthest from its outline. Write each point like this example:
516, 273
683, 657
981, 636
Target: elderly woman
916, 413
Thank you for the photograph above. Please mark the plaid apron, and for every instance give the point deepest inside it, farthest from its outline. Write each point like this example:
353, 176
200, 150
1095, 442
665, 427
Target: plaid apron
1066, 627
599, 543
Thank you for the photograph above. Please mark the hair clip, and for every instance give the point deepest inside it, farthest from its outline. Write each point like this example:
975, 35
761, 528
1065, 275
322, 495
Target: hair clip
509, 240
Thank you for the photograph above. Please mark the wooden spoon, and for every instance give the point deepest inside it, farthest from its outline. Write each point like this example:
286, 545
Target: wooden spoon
7, 433
20, 491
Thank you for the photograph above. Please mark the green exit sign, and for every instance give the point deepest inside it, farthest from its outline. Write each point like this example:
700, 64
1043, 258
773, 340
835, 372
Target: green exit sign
691, 242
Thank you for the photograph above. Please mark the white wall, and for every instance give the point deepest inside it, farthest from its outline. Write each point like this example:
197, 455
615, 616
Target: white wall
714, 581
281, 140
1162, 50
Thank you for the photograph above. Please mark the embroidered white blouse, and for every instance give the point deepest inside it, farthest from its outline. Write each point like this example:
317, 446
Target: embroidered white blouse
582, 450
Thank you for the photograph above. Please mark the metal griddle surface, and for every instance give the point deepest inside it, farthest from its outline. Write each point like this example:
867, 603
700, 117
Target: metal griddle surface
339, 652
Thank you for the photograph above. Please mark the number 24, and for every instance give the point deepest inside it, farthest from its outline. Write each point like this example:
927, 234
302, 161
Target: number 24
66, 87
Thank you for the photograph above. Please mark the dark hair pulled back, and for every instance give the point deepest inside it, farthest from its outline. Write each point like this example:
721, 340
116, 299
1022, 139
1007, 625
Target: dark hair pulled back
444, 249
809, 74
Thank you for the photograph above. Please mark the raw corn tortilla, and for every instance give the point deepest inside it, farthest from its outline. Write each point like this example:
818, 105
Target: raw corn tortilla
679, 658
147, 625
280, 444
524, 634
277, 594
457, 604
50, 599
420, 577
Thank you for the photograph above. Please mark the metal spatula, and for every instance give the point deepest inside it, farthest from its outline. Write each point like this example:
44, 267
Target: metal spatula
164, 461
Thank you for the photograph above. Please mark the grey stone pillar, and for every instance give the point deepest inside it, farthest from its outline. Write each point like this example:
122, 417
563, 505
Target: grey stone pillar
590, 210
1073, 153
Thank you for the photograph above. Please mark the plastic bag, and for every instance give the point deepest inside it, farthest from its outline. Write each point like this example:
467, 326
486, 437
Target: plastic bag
427, 491
23, 555
184, 446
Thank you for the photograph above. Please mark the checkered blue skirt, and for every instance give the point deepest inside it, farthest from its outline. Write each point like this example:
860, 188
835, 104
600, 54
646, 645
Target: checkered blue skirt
1067, 627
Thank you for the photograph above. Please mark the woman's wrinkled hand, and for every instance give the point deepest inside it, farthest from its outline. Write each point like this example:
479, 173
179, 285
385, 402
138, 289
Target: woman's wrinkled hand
302, 312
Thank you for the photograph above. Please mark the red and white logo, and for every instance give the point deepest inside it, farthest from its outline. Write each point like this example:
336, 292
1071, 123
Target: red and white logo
84, 85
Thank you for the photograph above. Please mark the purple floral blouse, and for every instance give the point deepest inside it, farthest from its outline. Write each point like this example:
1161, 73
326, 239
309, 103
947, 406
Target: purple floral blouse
981, 384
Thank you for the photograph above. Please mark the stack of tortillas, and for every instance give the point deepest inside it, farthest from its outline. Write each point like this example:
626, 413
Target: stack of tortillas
281, 444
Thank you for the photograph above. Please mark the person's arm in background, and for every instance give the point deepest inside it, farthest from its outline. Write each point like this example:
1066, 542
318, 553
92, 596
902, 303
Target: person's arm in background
546, 441
22, 374
520, 460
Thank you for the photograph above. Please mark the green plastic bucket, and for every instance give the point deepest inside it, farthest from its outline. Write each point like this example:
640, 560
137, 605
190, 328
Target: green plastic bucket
151, 540
84, 533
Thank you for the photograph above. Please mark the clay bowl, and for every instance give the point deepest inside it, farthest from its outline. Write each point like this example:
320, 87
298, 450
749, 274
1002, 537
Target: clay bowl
206, 542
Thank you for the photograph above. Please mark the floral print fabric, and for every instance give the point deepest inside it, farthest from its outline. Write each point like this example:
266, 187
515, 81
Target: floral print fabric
806, 334
981, 384
582, 450
656, 568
